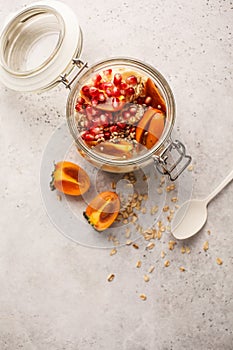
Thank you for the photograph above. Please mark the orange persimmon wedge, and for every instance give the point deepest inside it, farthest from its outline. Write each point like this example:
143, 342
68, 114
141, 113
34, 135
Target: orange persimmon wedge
103, 210
155, 129
70, 179
152, 91
144, 123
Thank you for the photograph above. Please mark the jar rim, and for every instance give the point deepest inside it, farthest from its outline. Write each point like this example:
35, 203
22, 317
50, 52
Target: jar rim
22, 17
167, 94
31, 26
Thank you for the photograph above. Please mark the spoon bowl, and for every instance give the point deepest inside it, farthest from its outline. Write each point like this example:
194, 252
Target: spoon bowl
190, 218
192, 214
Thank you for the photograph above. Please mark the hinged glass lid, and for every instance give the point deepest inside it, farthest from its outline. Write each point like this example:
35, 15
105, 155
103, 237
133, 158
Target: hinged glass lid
38, 45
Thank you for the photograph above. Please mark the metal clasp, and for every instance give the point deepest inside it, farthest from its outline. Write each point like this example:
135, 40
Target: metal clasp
162, 160
78, 63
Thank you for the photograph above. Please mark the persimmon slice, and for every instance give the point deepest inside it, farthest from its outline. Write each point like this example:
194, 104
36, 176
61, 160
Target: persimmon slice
155, 130
144, 123
152, 91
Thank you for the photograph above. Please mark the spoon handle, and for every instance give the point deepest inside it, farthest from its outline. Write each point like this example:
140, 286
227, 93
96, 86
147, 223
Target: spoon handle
220, 187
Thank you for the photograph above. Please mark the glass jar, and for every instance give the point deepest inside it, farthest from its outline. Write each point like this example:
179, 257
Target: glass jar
40, 47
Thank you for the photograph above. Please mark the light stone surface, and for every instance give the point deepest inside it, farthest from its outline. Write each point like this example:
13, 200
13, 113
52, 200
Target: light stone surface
54, 294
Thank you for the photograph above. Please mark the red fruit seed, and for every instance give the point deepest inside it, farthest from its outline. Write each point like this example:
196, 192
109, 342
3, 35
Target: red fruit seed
132, 80
85, 90
130, 91
107, 72
117, 79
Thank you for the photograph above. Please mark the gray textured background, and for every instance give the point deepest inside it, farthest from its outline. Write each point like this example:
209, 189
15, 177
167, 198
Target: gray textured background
54, 294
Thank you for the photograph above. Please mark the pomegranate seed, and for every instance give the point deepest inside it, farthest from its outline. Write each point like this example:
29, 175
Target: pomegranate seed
113, 128
109, 92
108, 85
96, 80
133, 110
123, 86
85, 90
117, 79
115, 102
116, 92
132, 80
88, 137
130, 91
104, 120
95, 130
107, 72
126, 115
148, 100
121, 125
93, 91
107, 135
79, 107
80, 100
101, 97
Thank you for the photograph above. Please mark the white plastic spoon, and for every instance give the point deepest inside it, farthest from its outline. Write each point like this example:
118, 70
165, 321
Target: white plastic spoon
192, 215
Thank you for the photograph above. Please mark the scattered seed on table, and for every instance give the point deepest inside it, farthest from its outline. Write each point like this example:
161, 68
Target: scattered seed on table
182, 269
138, 264
135, 246
183, 250
143, 297
219, 261
129, 242
190, 167
165, 208
113, 252
188, 250
151, 269
166, 263
113, 185
150, 246
209, 232
111, 277
162, 254
171, 245
174, 199
146, 278
206, 246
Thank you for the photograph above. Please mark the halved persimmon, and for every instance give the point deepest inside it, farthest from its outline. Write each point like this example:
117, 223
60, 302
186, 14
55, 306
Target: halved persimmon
103, 210
144, 124
70, 179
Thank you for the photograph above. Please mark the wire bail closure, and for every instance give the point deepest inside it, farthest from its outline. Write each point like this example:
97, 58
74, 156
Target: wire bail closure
76, 63
162, 160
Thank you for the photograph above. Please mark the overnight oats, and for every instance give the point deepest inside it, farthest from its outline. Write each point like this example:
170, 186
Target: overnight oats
119, 113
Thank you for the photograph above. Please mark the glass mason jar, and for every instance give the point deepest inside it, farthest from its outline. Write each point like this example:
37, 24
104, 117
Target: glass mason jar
40, 47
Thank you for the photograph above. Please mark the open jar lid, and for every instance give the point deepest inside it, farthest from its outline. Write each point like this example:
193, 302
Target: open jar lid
37, 46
